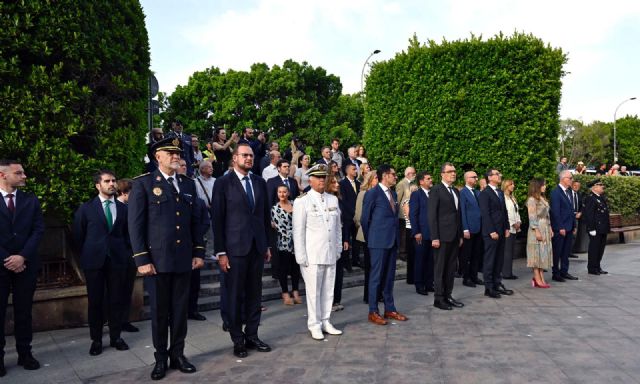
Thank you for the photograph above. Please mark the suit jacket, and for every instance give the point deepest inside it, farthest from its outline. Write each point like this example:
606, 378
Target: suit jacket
404, 192
349, 197
470, 210
419, 214
346, 161
187, 150
322, 161
272, 189
21, 234
379, 222
596, 214
495, 217
165, 227
445, 221
93, 239
561, 211
235, 226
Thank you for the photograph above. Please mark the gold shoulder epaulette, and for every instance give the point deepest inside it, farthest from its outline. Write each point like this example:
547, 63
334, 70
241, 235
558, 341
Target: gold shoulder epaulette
144, 174
301, 195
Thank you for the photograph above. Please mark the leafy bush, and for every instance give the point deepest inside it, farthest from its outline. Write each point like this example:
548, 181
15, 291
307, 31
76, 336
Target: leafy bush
623, 192
73, 93
475, 103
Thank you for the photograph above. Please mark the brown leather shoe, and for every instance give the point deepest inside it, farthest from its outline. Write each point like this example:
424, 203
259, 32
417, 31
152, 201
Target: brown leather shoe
375, 318
396, 316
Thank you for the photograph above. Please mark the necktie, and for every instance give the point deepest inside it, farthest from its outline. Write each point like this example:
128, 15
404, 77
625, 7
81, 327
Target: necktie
569, 196
500, 195
575, 201
391, 202
286, 182
247, 188
11, 205
107, 213
173, 186
353, 185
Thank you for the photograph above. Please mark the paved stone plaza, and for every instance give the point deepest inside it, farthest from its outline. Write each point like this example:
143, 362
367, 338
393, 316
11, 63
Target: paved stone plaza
586, 331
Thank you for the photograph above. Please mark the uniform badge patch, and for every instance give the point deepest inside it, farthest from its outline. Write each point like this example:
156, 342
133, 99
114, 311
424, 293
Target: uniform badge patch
157, 191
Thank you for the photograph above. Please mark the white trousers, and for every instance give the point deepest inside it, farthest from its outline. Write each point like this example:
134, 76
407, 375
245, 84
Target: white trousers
318, 282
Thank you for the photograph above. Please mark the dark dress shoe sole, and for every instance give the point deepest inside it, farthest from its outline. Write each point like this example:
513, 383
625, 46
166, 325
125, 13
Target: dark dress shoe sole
186, 368
158, 375
130, 328
3, 372
469, 284
603, 272
443, 306
423, 292
569, 277
95, 350
594, 273
494, 295
241, 353
514, 277
558, 279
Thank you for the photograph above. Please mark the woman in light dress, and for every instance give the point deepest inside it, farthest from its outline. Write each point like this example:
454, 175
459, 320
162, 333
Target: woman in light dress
539, 250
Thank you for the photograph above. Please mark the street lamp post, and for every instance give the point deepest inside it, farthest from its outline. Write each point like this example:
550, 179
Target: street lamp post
363, 68
615, 141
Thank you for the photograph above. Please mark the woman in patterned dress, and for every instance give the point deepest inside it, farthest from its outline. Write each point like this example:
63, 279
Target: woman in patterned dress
282, 221
539, 250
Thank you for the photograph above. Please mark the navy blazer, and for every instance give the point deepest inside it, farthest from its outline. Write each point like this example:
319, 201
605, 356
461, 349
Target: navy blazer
187, 150
494, 212
349, 197
21, 235
272, 189
561, 211
165, 227
379, 223
419, 214
235, 227
93, 239
470, 207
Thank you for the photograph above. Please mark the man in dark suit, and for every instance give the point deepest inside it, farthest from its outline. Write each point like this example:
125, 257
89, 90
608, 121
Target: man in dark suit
240, 221
446, 236
596, 220
257, 146
101, 235
283, 178
563, 221
379, 222
177, 130
326, 155
495, 228
21, 228
167, 238
472, 249
419, 219
578, 205
349, 189
351, 159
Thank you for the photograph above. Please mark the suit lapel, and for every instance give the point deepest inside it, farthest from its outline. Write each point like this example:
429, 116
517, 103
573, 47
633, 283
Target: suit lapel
4, 209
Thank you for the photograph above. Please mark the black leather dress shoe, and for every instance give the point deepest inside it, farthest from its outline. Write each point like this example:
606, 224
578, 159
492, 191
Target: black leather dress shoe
128, 327
257, 344
196, 316
491, 293
96, 348
159, 370
503, 290
182, 364
559, 279
225, 327
468, 283
239, 350
453, 302
119, 344
431, 289
458, 275
422, 291
442, 305
3, 370
512, 277
574, 256
603, 272
568, 276
28, 362
592, 272
477, 281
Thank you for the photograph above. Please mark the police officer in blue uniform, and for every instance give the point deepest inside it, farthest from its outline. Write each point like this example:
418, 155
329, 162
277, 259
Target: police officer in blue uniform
596, 219
167, 239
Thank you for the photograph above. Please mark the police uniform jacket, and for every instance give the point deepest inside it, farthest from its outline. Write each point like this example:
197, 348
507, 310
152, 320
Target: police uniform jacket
165, 226
596, 214
317, 236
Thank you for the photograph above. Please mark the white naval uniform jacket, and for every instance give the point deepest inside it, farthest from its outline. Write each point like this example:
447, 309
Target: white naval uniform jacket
317, 230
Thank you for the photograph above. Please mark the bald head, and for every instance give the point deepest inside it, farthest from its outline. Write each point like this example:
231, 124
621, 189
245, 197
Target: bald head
470, 178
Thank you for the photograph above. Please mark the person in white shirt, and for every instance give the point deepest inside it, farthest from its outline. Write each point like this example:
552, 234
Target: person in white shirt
271, 170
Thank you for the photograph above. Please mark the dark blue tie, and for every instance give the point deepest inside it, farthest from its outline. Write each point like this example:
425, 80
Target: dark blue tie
247, 188
569, 196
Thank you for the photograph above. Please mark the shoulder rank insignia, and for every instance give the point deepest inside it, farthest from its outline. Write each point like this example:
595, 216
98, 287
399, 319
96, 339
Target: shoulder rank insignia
144, 174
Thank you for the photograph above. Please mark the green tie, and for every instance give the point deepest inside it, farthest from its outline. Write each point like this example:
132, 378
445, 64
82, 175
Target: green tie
107, 213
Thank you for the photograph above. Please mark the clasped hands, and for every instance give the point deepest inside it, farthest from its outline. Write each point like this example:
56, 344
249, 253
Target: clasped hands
15, 263
150, 269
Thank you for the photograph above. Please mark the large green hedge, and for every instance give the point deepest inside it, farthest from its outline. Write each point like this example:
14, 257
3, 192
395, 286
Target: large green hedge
475, 103
72, 93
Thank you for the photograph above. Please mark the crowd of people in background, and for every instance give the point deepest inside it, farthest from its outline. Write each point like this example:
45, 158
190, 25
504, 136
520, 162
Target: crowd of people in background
242, 201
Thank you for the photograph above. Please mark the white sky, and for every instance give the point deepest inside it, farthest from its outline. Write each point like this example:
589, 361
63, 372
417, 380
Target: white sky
601, 38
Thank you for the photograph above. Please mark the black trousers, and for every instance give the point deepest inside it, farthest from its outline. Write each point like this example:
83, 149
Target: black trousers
194, 290
169, 297
22, 285
355, 246
493, 260
423, 275
411, 255
472, 253
337, 286
509, 251
129, 283
445, 261
288, 267
244, 287
106, 288
596, 250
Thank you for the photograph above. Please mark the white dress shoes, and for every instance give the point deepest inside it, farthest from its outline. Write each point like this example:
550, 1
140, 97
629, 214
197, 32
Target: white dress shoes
316, 334
327, 327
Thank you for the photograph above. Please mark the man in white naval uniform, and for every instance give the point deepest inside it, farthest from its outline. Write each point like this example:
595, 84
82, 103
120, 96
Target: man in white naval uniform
317, 240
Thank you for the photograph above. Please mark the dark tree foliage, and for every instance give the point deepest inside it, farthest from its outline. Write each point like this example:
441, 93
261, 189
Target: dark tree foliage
73, 93
475, 103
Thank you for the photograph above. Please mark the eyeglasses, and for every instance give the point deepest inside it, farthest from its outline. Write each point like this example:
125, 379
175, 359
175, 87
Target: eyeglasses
245, 155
